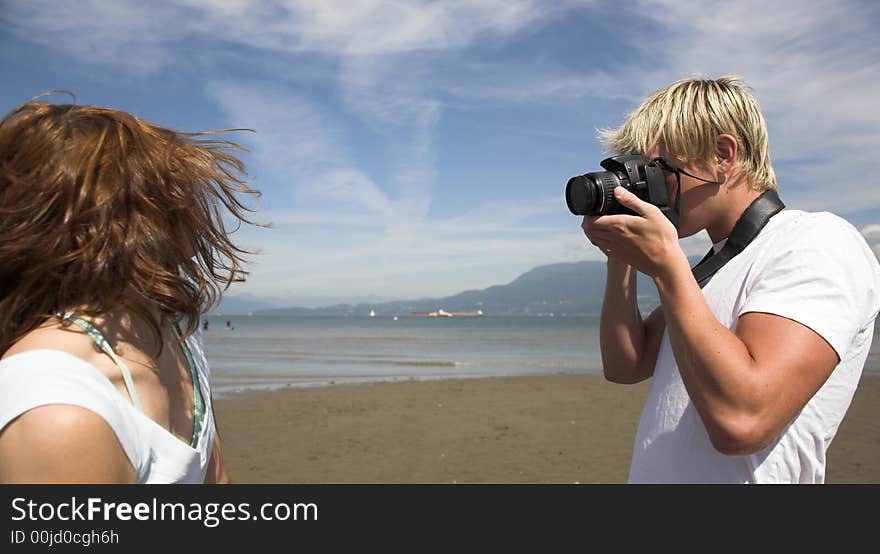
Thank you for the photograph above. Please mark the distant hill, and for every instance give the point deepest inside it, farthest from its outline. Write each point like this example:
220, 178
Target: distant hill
575, 288
241, 304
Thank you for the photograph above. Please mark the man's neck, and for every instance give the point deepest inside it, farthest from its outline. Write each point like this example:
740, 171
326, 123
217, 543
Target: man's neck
735, 203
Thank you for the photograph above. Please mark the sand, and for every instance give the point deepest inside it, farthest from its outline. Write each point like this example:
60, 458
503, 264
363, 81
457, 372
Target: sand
556, 429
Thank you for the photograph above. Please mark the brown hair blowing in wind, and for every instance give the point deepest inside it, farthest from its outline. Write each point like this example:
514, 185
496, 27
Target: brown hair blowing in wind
100, 210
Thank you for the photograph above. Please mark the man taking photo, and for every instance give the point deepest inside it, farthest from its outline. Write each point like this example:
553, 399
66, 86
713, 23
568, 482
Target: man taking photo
756, 354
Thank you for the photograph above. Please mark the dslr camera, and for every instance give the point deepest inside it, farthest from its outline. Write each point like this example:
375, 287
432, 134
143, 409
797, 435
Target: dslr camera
593, 193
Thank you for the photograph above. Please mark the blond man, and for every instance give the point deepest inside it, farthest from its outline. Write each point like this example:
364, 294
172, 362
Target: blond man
752, 373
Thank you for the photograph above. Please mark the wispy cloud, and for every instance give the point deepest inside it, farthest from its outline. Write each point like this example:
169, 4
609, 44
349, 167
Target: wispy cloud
332, 87
381, 233
872, 237
349, 233
814, 67
293, 135
114, 31
306, 262
302, 150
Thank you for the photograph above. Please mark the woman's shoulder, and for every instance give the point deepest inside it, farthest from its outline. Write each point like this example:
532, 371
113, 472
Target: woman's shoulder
53, 336
60, 443
44, 376
53, 404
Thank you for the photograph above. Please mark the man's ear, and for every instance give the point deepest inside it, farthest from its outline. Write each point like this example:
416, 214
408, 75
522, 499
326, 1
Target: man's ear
725, 156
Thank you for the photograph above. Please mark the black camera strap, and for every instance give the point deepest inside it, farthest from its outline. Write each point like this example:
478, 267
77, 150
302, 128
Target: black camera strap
674, 214
747, 227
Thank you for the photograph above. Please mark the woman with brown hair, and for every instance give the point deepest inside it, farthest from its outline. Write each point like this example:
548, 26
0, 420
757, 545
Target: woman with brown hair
113, 243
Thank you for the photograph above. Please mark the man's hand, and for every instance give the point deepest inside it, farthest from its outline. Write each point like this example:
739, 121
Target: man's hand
648, 242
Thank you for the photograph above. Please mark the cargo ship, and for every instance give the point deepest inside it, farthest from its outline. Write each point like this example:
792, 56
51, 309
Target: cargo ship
443, 313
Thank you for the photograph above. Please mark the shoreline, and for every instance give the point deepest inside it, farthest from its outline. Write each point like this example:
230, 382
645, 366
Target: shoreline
227, 392
564, 428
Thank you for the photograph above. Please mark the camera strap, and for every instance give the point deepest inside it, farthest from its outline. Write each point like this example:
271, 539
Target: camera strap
674, 214
747, 227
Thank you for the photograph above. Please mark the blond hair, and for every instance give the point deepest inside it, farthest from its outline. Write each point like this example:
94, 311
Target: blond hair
688, 116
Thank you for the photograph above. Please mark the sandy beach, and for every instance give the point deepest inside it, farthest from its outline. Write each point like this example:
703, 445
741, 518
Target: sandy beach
556, 429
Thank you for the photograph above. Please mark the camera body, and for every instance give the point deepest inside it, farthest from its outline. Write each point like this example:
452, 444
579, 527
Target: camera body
593, 193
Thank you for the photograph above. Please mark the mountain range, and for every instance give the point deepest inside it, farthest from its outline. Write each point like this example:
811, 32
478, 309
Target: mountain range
574, 288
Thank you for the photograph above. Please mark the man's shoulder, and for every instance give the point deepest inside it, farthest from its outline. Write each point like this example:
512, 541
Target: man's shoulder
814, 220
827, 220
817, 230
821, 244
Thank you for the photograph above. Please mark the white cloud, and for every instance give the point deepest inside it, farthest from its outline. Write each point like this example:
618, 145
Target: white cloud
292, 133
331, 253
134, 34
534, 82
337, 254
114, 31
349, 187
814, 68
300, 146
696, 245
370, 27
349, 232
872, 237
377, 236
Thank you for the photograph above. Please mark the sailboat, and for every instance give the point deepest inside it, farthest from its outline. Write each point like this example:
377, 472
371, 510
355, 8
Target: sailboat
372, 313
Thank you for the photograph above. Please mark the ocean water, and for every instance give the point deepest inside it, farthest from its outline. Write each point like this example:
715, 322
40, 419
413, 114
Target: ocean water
269, 352
261, 352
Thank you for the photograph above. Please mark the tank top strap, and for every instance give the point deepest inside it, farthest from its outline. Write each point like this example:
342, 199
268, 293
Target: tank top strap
105, 346
198, 398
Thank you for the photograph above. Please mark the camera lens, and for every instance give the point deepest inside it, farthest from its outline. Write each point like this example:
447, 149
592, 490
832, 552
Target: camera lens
592, 193
581, 195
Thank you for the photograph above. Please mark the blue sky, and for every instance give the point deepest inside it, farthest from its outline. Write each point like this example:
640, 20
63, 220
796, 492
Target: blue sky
412, 149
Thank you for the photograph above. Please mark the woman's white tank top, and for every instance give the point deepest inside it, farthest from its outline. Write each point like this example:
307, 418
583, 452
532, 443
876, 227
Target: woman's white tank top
40, 377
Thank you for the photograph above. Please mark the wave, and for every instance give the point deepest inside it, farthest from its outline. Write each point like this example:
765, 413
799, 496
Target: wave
286, 365
415, 363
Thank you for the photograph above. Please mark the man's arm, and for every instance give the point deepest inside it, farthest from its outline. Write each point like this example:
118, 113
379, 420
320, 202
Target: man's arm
60, 443
746, 386
629, 344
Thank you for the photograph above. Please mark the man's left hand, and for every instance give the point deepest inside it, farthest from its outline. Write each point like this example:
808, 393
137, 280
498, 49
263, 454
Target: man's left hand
647, 242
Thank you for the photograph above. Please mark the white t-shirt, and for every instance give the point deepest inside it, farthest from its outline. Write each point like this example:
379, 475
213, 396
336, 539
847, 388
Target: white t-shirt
40, 377
813, 268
